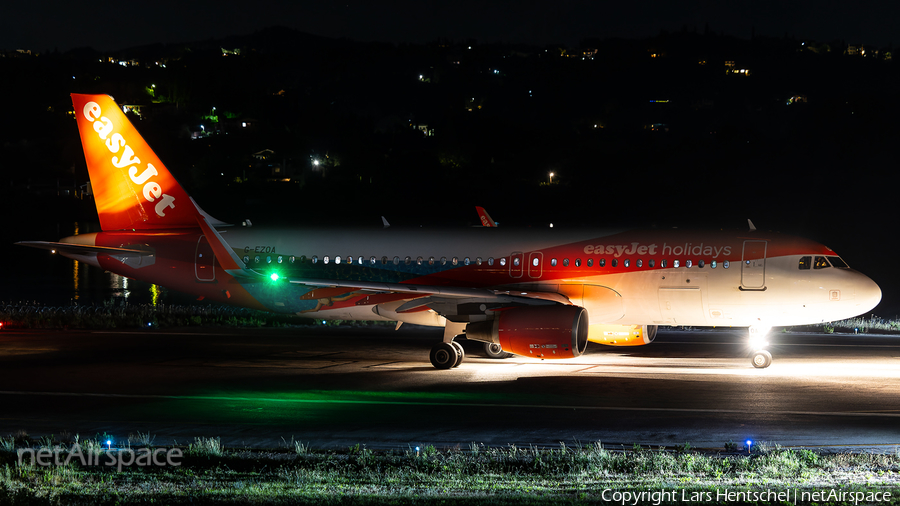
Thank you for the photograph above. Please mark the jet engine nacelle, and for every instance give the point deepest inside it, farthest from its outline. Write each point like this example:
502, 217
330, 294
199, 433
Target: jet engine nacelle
538, 331
622, 335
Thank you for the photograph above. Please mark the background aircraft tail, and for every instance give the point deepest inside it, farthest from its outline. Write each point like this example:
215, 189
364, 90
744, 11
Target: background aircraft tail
132, 188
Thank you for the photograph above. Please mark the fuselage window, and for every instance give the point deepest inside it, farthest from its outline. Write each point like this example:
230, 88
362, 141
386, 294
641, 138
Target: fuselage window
577, 262
325, 259
302, 259
565, 262
689, 264
396, 260
701, 264
664, 264
553, 262
503, 261
477, 260
640, 263
293, 259
315, 259
337, 259
713, 264
490, 260
256, 259
418, 260
443, 260
430, 260
602, 262
373, 260
466, 261
726, 264
407, 260
821, 263
516, 261
361, 260
627, 263
280, 258
805, 263
590, 262
384, 260
455, 261
614, 263
652, 263
246, 259
535, 262
676, 263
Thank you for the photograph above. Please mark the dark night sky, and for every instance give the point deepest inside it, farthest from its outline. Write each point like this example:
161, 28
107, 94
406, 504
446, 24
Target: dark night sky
42, 26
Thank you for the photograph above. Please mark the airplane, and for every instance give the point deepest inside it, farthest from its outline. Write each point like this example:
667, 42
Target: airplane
542, 293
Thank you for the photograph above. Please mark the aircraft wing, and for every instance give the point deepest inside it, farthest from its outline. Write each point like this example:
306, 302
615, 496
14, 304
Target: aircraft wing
435, 293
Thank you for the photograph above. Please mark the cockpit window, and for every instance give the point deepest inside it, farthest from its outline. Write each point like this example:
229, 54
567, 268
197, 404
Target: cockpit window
821, 263
805, 263
837, 262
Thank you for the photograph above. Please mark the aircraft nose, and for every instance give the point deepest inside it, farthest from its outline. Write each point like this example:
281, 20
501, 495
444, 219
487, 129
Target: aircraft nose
868, 293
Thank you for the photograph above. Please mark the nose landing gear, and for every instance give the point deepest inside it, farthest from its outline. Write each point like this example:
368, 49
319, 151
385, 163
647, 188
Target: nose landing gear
760, 358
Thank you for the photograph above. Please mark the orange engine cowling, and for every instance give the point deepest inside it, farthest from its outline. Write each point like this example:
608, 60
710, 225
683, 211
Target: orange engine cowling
540, 331
622, 335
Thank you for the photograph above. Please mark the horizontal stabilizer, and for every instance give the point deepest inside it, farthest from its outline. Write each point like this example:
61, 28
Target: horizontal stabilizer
84, 248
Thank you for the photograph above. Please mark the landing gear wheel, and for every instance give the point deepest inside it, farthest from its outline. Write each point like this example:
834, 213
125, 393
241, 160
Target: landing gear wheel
493, 350
761, 359
444, 356
459, 351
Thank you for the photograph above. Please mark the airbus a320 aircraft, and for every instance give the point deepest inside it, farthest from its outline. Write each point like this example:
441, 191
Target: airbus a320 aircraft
540, 293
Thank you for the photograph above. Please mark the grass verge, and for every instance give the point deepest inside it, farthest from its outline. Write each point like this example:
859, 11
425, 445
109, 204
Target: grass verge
208, 473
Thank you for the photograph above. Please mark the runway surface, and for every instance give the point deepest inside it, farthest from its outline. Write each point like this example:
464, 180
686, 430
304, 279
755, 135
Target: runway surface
336, 387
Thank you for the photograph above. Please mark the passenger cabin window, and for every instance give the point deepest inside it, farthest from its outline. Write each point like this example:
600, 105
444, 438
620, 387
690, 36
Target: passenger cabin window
821, 263
805, 263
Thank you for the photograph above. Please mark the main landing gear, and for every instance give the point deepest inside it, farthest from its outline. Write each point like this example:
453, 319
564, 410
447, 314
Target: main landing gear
493, 350
760, 358
447, 355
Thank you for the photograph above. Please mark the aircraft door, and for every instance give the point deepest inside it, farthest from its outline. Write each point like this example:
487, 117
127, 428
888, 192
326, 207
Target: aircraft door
535, 264
204, 261
753, 266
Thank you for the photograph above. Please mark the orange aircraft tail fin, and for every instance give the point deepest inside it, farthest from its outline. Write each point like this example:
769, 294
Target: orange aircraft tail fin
132, 188
486, 220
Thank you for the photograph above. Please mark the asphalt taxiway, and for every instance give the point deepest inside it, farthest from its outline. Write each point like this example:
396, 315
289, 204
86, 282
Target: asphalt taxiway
336, 387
